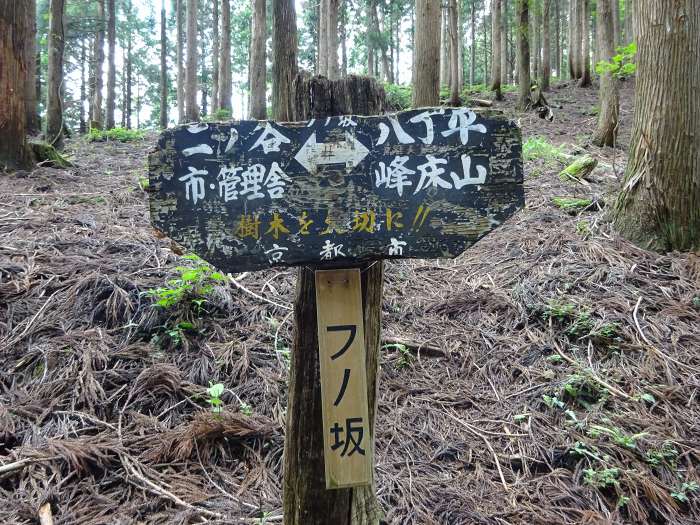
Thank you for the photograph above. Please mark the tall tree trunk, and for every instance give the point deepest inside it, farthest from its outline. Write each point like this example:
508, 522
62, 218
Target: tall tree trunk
444, 49
659, 206
617, 39
460, 37
225, 81
426, 88
203, 80
191, 109
629, 21
111, 72
54, 103
284, 61
216, 48
584, 21
163, 69
99, 55
504, 42
129, 75
258, 69
606, 133
323, 37
371, 38
343, 39
332, 39
557, 39
496, 48
454, 54
387, 72
30, 89
83, 59
546, 60
15, 34
179, 52
574, 40
472, 64
523, 20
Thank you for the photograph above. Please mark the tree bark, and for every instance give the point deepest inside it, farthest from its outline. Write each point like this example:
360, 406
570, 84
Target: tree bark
504, 42
30, 90
370, 39
284, 61
54, 103
343, 39
191, 109
83, 87
557, 41
323, 37
306, 500
574, 40
426, 88
163, 69
15, 32
216, 49
387, 73
258, 69
460, 37
444, 49
225, 82
617, 39
111, 72
606, 132
546, 58
179, 51
454, 54
496, 48
629, 21
333, 71
659, 206
99, 55
584, 21
523, 54
472, 65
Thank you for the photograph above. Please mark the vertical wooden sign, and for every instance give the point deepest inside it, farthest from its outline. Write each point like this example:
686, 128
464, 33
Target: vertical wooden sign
348, 445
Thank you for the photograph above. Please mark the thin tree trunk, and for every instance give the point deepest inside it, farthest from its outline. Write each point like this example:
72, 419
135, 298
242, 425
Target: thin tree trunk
504, 42
258, 69
454, 54
472, 65
460, 36
111, 72
546, 60
225, 82
606, 133
371, 37
333, 70
574, 40
163, 71
179, 51
54, 102
99, 55
191, 109
659, 206
284, 58
496, 47
15, 32
629, 21
426, 89
83, 87
487, 50
323, 37
557, 38
585, 80
444, 49
343, 39
203, 81
216, 48
387, 72
129, 79
523, 54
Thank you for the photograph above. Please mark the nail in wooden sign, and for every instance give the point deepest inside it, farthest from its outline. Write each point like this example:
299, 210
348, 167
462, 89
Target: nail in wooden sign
249, 195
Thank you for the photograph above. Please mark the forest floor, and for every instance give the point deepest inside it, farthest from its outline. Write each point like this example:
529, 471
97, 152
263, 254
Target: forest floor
548, 375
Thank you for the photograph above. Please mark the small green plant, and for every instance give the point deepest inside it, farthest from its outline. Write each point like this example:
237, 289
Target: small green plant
578, 319
603, 478
246, 409
177, 333
398, 97
696, 302
571, 205
622, 64
618, 436
583, 228
118, 134
622, 501
682, 493
144, 183
214, 391
555, 359
559, 311
405, 355
583, 390
193, 285
665, 454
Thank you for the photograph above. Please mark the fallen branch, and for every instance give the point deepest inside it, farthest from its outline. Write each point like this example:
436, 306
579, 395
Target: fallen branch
260, 297
416, 348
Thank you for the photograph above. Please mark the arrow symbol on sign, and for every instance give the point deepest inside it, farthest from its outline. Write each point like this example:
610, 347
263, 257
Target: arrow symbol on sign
349, 152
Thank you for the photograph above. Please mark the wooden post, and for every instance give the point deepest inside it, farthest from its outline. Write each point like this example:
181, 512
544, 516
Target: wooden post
306, 499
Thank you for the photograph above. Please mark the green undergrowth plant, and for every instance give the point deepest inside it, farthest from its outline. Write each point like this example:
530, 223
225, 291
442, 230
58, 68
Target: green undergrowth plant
616, 435
581, 389
622, 64
601, 478
579, 322
681, 494
572, 205
118, 134
405, 355
398, 96
214, 392
538, 148
192, 287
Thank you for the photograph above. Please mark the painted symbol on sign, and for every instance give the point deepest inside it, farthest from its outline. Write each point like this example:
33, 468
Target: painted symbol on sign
354, 432
349, 152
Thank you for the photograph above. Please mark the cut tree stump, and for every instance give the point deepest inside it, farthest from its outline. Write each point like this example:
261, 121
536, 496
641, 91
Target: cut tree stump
306, 500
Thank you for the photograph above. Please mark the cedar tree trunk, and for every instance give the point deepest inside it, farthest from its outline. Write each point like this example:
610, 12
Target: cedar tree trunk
258, 70
426, 86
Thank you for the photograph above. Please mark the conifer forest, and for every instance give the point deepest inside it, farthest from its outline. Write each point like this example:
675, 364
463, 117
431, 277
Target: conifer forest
349, 262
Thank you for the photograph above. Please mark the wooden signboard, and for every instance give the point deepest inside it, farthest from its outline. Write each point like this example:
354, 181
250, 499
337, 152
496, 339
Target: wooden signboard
250, 195
348, 446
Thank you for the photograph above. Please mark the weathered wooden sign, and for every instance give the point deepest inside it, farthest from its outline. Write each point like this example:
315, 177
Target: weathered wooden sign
348, 445
249, 195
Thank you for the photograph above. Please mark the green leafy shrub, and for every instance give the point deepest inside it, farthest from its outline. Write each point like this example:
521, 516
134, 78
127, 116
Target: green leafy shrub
538, 148
193, 285
118, 134
214, 392
602, 478
398, 97
622, 64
